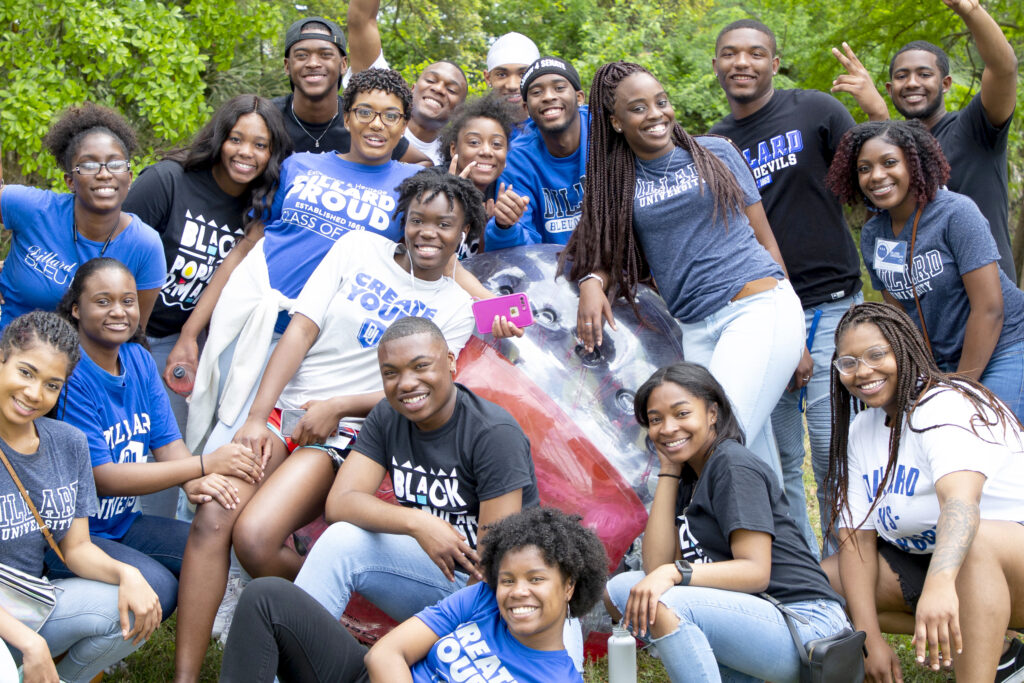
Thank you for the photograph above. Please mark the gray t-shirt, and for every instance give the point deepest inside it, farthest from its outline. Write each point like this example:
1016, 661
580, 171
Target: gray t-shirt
699, 265
58, 478
953, 238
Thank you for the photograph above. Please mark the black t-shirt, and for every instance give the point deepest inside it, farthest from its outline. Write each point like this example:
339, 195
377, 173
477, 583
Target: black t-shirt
736, 490
789, 144
976, 151
337, 139
198, 224
479, 454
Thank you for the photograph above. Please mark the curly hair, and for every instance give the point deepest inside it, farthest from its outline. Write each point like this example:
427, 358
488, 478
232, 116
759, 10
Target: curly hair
561, 540
434, 181
76, 123
928, 167
387, 80
916, 373
204, 150
73, 294
604, 238
41, 327
487, 107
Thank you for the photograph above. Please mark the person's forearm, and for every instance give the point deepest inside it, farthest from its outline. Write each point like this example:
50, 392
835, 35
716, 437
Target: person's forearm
387, 666
993, 48
368, 512
201, 314
470, 283
356, 405
284, 362
147, 299
741, 575
858, 572
660, 537
980, 337
958, 522
88, 561
15, 633
140, 478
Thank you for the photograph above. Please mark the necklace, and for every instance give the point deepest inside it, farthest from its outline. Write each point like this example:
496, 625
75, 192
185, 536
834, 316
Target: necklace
640, 164
316, 140
106, 242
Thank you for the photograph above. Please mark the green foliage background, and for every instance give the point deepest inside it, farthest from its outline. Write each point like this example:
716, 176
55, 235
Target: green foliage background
167, 63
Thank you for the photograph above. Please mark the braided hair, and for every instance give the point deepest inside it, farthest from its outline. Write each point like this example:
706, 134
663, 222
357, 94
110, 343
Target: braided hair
604, 238
916, 373
434, 181
928, 167
41, 327
73, 294
65, 136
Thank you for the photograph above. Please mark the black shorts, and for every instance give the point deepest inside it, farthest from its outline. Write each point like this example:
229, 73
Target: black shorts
910, 568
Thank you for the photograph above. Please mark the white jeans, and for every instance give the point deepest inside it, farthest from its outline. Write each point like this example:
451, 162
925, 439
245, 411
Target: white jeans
752, 347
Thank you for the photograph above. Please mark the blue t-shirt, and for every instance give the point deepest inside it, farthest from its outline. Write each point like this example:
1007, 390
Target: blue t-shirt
45, 254
475, 645
123, 417
321, 197
553, 184
699, 265
953, 238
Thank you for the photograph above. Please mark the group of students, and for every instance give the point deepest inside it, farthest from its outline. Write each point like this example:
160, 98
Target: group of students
327, 282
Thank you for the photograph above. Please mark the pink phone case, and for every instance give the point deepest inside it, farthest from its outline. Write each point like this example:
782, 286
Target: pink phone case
515, 307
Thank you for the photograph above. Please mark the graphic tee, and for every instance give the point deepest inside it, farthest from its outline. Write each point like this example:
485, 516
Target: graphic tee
737, 490
479, 454
198, 224
952, 240
337, 139
124, 417
353, 296
553, 184
948, 439
475, 645
789, 144
45, 255
699, 264
59, 481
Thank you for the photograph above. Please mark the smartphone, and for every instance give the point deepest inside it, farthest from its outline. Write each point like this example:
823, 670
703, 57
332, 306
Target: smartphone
514, 307
346, 430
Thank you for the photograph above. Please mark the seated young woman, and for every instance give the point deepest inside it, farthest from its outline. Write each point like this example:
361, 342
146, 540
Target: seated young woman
929, 503
539, 565
971, 314
105, 609
719, 533
326, 362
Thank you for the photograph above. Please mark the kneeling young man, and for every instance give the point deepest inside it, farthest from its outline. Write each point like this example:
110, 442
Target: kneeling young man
458, 463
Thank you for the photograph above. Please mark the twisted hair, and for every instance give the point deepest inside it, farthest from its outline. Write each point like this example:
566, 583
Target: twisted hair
204, 150
926, 163
486, 107
434, 181
41, 327
604, 237
76, 123
73, 294
562, 541
916, 373
386, 80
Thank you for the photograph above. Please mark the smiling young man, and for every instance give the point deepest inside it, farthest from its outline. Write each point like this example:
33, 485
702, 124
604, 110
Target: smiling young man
973, 138
507, 61
547, 164
457, 463
439, 90
789, 137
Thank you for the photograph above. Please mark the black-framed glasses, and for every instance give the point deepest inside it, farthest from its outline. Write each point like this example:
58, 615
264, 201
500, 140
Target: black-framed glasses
93, 167
873, 357
389, 117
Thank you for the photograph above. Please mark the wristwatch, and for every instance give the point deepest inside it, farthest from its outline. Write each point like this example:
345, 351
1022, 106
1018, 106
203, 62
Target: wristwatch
685, 570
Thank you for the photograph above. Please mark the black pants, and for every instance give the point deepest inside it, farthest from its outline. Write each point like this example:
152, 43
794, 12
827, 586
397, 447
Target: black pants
278, 629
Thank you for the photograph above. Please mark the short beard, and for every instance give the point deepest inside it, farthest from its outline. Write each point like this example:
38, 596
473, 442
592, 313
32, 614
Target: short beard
931, 108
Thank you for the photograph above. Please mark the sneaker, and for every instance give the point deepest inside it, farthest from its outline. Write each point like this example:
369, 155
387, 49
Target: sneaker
1011, 664
226, 611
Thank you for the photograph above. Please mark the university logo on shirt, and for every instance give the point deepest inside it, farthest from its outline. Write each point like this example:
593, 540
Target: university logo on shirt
330, 207
381, 301
774, 154
55, 505
470, 658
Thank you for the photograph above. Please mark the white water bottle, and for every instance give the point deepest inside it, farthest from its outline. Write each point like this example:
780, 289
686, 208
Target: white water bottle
621, 656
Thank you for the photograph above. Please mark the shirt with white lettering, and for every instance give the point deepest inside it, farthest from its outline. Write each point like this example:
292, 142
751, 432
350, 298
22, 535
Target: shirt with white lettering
475, 645
46, 252
951, 441
124, 417
59, 481
354, 295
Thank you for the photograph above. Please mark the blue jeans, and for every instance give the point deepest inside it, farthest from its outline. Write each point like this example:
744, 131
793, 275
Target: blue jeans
153, 545
85, 624
752, 347
389, 570
729, 636
1004, 377
787, 421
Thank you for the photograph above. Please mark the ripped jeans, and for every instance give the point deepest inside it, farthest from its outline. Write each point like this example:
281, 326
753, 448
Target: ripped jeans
730, 636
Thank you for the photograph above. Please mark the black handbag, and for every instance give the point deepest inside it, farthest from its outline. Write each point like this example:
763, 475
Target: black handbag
838, 658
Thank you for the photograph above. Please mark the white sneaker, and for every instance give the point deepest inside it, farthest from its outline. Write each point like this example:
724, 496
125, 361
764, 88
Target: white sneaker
226, 611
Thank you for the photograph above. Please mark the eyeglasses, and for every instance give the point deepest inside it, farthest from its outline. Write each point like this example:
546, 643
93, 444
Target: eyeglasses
872, 358
389, 118
93, 167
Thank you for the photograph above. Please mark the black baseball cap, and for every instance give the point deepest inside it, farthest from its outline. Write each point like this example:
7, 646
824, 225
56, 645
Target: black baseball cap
295, 33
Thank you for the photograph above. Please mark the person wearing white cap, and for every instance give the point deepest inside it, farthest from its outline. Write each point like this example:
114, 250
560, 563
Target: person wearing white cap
507, 61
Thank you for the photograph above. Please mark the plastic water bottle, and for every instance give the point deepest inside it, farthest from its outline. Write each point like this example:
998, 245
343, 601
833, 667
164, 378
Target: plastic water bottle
183, 378
621, 656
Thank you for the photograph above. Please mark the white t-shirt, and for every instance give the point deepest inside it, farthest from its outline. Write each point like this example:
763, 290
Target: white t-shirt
908, 509
431, 149
355, 293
